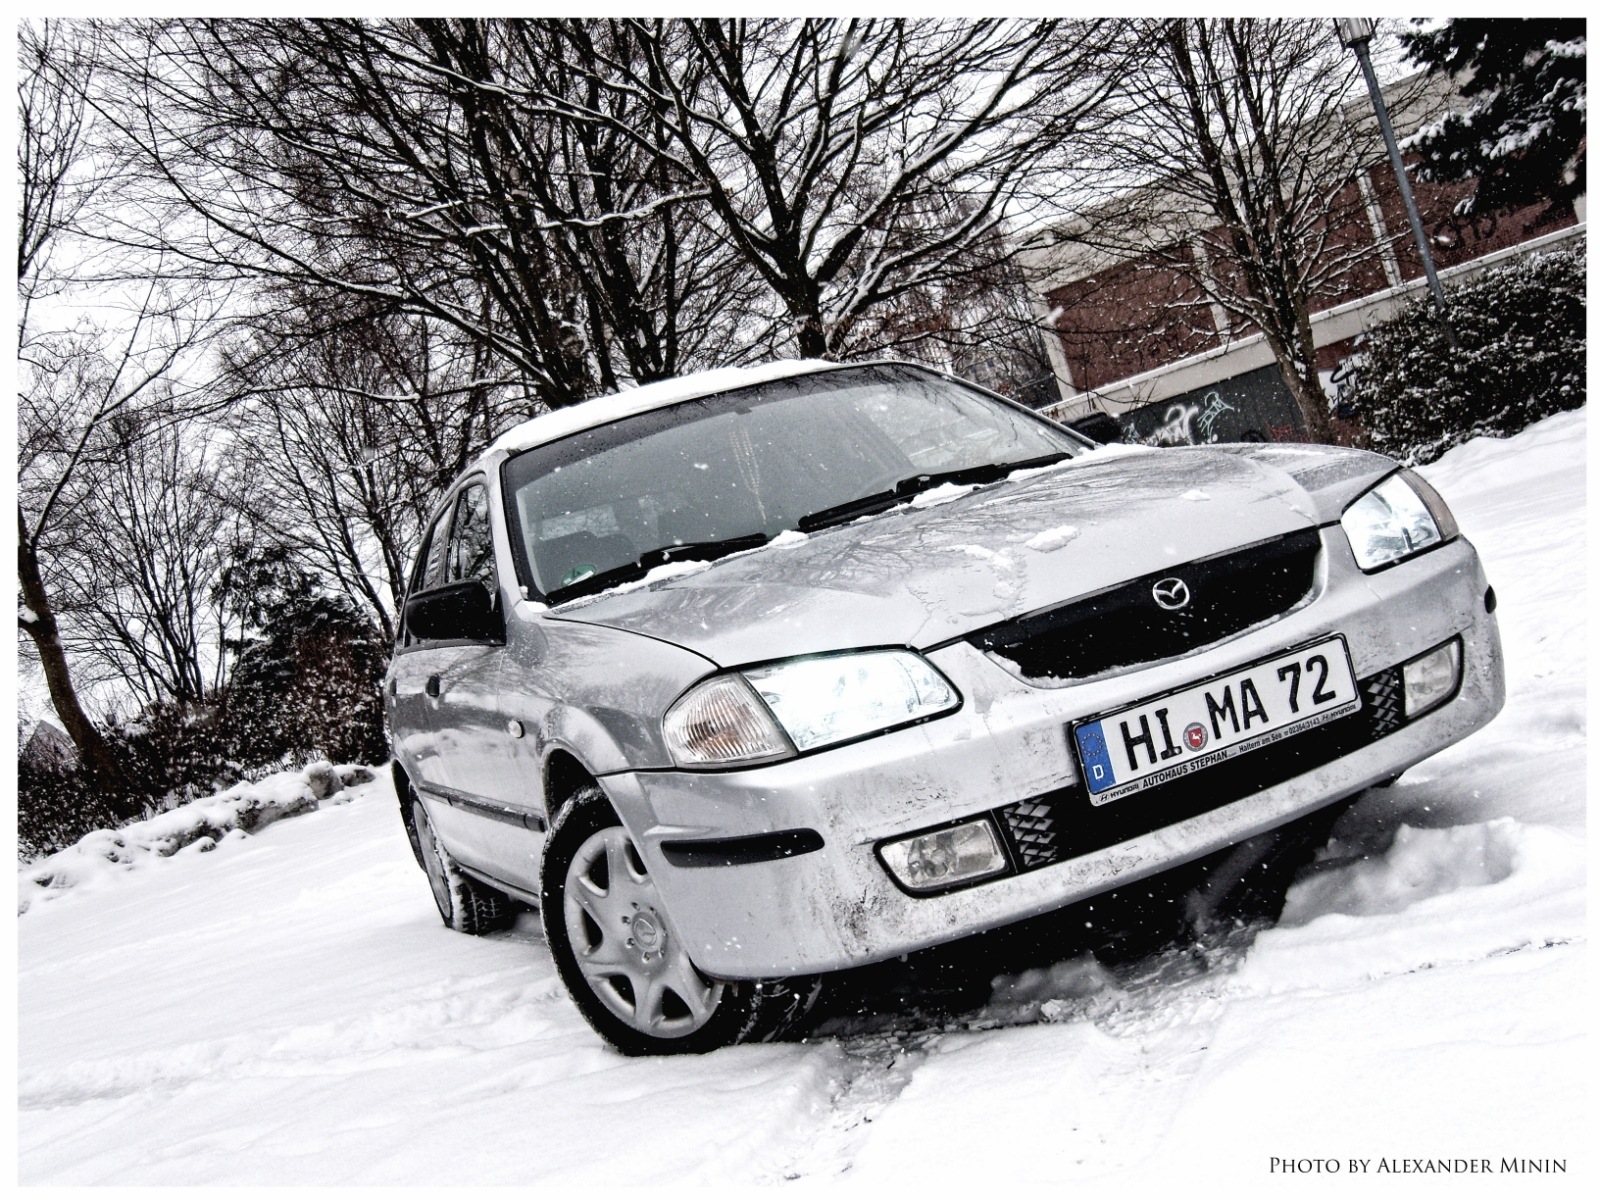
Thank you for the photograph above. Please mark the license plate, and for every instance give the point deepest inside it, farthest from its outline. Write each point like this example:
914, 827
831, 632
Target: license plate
1159, 740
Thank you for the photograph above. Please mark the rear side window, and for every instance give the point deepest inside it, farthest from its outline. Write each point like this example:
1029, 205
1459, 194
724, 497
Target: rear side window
471, 554
430, 565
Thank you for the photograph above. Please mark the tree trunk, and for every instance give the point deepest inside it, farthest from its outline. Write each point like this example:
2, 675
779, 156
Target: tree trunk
813, 342
1296, 352
1311, 400
92, 749
1304, 385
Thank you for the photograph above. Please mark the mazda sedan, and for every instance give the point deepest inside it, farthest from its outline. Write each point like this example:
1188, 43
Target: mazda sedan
755, 675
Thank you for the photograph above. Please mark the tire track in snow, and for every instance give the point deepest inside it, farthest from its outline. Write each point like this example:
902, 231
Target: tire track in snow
874, 1070
1159, 1008
451, 1017
1148, 1027
1158, 1015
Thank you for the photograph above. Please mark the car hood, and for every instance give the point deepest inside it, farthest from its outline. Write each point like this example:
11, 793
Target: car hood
921, 575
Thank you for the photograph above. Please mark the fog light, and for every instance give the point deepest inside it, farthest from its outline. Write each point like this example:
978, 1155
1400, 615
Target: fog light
931, 861
1432, 679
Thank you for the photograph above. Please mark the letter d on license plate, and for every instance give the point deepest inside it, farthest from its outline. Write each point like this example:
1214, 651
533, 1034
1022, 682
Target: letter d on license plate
1186, 731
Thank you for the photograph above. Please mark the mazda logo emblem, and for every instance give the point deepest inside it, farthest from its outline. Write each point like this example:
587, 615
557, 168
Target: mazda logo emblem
1171, 593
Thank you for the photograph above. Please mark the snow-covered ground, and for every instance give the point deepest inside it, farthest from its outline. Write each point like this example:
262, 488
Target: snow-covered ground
287, 1008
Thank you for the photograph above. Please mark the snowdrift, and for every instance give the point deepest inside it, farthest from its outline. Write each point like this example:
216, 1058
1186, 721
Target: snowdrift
195, 828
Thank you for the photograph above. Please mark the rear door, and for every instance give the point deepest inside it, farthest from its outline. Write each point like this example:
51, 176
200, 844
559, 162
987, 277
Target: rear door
415, 670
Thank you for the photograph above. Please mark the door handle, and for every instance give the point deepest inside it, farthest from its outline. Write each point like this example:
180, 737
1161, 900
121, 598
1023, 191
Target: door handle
432, 686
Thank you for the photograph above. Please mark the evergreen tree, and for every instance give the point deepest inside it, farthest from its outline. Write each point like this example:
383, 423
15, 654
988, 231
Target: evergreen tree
308, 683
1522, 135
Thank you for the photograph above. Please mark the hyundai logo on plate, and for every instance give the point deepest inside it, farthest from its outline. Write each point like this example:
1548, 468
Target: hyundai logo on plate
1171, 593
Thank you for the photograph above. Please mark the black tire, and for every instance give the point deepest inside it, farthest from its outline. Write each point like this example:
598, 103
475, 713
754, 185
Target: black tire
406, 797
585, 843
464, 904
1249, 883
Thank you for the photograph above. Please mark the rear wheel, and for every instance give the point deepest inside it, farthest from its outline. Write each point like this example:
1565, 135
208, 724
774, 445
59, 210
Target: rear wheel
464, 904
622, 959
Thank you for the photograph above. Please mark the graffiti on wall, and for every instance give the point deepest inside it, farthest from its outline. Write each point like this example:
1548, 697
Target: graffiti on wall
1340, 384
1191, 423
1253, 407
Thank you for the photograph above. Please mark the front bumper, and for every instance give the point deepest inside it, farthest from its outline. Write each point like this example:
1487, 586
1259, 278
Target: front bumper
837, 906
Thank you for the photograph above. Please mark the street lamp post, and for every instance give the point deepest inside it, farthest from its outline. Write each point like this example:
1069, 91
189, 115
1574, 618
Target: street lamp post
1355, 33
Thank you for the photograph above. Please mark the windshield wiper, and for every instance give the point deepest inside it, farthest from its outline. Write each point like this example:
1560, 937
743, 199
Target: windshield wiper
913, 485
712, 549
651, 559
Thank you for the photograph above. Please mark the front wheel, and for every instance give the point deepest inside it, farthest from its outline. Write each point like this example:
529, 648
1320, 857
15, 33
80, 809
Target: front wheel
620, 956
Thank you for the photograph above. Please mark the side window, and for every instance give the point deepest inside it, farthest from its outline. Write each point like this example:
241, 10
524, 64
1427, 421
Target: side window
471, 554
430, 564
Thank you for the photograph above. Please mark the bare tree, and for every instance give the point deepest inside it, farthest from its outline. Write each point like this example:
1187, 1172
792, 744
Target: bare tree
100, 345
976, 322
822, 147
1236, 165
658, 279
354, 424
422, 167
138, 579
50, 144
606, 201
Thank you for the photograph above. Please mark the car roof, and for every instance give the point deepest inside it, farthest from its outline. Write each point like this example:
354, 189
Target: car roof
603, 410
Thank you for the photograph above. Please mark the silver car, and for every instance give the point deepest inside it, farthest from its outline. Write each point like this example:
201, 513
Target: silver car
755, 675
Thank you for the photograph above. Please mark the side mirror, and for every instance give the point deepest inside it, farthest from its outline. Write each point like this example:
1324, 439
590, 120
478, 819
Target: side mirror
457, 612
1102, 427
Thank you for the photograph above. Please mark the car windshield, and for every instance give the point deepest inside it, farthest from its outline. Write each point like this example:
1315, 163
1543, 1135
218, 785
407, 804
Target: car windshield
730, 471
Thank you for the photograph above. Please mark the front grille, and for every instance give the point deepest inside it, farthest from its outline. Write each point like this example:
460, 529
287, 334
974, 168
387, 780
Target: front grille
1124, 625
1053, 827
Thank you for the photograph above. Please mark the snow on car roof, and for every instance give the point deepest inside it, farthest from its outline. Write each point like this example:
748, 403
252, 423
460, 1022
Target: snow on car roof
604, 409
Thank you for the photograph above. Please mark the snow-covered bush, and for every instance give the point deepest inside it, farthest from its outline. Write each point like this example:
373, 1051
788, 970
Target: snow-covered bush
172, 752
166, 754
196, 826
306, 687
310, 684
54, 809
1521, 330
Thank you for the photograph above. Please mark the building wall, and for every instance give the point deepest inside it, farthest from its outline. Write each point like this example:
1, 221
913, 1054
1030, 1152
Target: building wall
1141, 403
1135, 338
1131, 317
1250, 407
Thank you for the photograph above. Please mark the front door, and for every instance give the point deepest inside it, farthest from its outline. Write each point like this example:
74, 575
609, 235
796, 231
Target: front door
491, 813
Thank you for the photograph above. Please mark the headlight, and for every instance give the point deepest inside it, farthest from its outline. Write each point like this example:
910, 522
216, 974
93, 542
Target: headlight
1400, 517
770, 712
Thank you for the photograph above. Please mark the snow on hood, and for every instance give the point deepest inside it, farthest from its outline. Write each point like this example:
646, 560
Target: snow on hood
921, 576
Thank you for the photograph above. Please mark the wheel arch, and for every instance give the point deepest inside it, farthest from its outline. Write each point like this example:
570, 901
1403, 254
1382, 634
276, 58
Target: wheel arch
403, 794
565, 775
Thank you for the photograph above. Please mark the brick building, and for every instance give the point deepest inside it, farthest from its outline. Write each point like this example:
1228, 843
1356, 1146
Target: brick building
1136, 339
